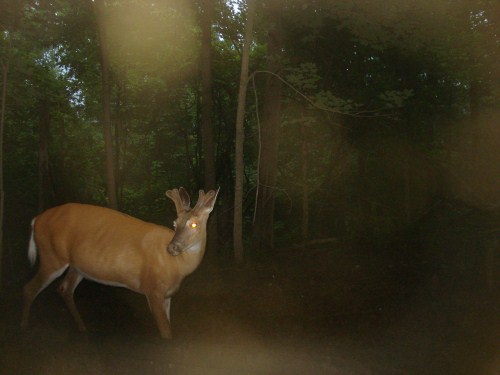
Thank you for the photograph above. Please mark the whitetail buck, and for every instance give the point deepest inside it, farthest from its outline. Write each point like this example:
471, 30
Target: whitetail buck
112, 248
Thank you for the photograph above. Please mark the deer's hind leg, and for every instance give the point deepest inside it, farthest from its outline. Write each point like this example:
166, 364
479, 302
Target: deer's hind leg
39, 282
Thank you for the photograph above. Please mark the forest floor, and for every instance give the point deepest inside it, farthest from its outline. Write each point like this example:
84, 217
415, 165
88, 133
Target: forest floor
316, 311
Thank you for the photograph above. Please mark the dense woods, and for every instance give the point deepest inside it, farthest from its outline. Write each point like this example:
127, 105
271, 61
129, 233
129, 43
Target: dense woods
359, 116
356, 147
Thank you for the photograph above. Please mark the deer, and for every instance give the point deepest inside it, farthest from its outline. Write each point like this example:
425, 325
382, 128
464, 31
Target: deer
112, 248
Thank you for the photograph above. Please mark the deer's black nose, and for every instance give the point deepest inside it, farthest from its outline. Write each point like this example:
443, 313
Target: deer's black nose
174, 249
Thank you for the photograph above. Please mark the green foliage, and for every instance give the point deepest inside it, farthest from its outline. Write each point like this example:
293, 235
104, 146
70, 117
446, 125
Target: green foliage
371, 88
395, 99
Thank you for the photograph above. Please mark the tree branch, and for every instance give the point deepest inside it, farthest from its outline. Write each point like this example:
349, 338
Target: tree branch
365, 113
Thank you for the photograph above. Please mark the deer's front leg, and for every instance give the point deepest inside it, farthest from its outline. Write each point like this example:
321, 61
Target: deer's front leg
66, 289
160, 307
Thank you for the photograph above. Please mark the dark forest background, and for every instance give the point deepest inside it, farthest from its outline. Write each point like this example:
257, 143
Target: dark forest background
366, 121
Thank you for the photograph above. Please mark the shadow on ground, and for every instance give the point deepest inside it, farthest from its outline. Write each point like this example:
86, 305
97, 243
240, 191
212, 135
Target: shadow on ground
340, 310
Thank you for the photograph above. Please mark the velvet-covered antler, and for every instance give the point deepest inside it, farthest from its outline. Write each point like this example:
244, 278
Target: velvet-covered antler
206, 201
180, 198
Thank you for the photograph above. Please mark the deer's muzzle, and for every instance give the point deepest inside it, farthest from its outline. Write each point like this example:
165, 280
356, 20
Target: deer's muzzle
174, 248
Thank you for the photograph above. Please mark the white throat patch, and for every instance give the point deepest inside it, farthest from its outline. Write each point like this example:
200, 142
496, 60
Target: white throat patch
195, 248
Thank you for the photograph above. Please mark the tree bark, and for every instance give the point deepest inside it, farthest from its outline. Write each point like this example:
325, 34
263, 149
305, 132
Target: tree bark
206, 95
45, 198
119, 136
271, 117
206, 116
5, 65
305, 184
240, 114
106, 106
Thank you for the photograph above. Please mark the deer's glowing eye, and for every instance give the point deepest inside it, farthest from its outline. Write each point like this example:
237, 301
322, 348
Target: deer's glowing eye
175, 224
193, 225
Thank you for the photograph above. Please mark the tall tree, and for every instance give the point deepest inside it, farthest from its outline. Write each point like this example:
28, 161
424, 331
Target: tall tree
106, 104
240, 116
206, 94
206, 113
44, 189
10, 15
271, 118
304, 151
5, 66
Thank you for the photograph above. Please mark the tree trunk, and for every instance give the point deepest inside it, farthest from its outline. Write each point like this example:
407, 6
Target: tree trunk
305, 185
120, 119
198, 154
206, 94
106, 106
5, 65
206, 116
474, 99
45, 198
240, 114
491, 271
271, 116
407, 182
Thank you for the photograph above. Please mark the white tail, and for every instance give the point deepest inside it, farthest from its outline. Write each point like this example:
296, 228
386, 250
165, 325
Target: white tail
32, 245
112, 248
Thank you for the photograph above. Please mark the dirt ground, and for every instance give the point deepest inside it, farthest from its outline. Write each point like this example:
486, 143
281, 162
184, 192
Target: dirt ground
315, 311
